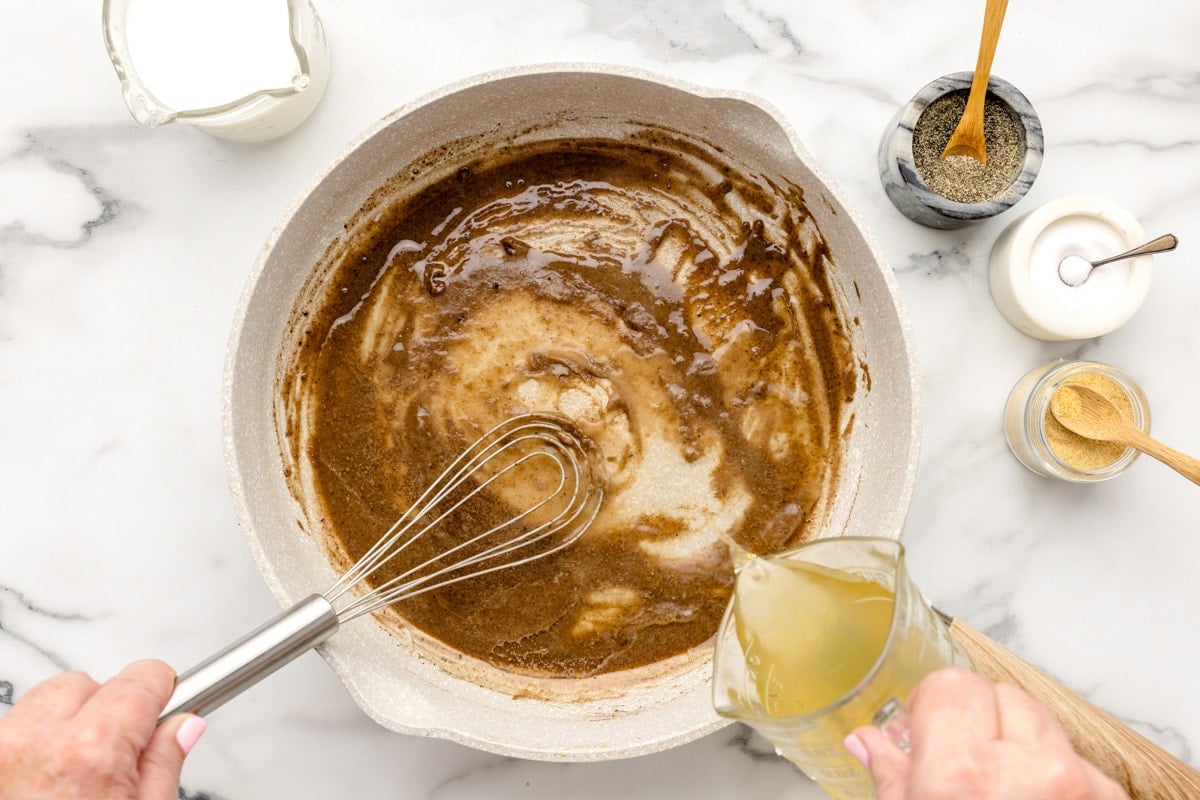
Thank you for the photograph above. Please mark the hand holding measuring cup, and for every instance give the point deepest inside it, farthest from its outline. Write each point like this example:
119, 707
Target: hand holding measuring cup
972, 740
822, 640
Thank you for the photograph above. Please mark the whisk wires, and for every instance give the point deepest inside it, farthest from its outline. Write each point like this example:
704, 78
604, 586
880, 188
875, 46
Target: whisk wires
552, 522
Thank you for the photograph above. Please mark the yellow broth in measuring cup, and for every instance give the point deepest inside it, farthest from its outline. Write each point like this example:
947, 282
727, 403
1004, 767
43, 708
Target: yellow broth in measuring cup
821, 640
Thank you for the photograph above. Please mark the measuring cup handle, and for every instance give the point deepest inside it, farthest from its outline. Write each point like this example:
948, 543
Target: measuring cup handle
1146, 771
892, 718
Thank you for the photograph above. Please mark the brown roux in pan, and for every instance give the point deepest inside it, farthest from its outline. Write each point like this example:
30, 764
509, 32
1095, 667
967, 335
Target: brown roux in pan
681, 313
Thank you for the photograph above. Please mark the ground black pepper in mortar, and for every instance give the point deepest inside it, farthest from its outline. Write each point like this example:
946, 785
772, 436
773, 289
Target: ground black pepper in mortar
962, 178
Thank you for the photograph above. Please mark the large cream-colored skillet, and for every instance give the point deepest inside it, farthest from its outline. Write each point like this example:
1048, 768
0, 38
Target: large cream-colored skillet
393, 676
400, 678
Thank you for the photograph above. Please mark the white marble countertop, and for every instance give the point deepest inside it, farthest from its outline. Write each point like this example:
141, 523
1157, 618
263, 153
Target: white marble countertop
123, 252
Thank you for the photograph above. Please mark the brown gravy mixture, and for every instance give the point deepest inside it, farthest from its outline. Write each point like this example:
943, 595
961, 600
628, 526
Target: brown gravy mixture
680, 313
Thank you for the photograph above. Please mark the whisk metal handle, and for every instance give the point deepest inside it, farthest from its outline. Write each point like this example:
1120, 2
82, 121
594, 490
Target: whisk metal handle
223, 676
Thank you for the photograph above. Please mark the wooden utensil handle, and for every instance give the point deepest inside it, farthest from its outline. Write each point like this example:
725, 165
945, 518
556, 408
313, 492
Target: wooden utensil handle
1144, 769
1182, 463
993, 19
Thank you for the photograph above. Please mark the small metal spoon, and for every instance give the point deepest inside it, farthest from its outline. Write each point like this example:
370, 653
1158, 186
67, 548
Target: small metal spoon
1074, 270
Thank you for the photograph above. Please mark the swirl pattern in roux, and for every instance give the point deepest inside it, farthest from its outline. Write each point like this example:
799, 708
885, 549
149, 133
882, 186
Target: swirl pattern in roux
678, 310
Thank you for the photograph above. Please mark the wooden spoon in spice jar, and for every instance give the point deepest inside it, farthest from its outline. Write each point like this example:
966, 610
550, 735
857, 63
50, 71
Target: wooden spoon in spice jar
967, 139
1091, 415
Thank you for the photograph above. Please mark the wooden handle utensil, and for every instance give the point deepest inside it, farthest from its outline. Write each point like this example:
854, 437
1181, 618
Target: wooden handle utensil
967, 139
1091, 415
1146, 771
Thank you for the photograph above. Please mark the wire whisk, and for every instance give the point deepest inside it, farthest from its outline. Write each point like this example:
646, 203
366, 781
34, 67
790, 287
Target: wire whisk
572, 505
561, 510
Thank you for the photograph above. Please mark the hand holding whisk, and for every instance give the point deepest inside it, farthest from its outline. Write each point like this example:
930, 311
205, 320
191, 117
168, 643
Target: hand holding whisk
555, 519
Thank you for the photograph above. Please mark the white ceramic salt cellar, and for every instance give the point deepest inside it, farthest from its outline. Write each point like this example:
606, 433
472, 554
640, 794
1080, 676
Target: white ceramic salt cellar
912, 195
1024, 277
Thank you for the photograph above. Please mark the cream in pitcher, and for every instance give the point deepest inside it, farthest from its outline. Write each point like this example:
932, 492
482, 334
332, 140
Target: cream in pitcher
244, 70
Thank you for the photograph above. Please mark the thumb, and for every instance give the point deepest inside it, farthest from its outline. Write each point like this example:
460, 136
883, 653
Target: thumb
162, 760
887, 763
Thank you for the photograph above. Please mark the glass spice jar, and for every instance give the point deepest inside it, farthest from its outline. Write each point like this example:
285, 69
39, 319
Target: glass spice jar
1044, 446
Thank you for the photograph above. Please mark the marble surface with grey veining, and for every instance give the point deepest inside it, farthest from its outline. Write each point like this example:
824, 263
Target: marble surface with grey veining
123, 252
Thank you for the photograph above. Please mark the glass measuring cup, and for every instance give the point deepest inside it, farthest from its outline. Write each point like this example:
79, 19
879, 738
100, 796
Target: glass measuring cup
243, 70
821, 640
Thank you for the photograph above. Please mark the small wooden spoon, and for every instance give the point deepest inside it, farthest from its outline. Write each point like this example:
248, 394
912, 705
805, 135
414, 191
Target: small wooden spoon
967, 139
1090, 414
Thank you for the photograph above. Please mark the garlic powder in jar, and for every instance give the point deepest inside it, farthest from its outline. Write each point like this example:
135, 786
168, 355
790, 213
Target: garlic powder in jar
1045, 446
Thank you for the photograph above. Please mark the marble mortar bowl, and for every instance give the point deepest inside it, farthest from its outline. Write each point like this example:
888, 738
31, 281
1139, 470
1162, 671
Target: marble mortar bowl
393, 676
898, 169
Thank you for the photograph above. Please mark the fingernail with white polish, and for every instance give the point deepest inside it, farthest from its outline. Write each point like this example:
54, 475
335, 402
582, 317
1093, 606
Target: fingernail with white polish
856, 748
189, 733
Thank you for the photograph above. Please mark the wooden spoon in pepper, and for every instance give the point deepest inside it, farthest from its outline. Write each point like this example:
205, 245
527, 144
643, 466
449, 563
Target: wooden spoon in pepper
967, 139
1090, 414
